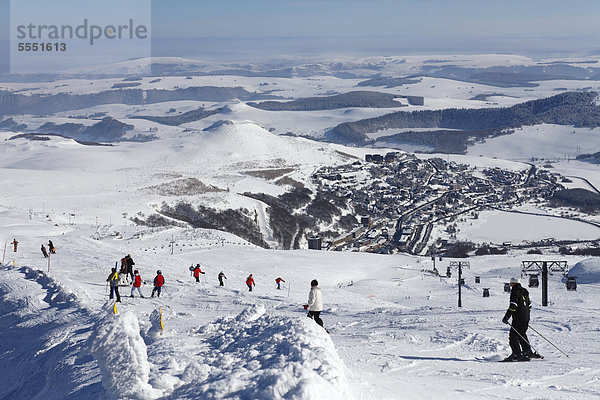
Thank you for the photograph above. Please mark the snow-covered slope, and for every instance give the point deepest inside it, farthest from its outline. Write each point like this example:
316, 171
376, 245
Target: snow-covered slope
395, 330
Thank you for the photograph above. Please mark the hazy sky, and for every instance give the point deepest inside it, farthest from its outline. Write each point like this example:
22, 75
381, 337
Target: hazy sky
377, 26
375, 17
254, 29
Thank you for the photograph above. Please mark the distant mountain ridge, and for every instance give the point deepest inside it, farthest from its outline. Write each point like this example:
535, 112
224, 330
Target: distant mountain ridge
359, 98
107, 130
571, 108
16, 103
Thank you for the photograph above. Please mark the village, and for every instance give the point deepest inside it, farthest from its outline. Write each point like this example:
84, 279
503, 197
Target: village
401, 197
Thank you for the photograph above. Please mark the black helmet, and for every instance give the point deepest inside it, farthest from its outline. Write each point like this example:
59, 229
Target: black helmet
158, 272
314, 282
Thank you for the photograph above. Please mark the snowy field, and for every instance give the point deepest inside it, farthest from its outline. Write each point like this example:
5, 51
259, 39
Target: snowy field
498, 227
546, 141
395, 329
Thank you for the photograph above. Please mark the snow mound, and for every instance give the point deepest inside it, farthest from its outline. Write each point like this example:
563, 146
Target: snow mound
237, 141
43, 326
122, 358
260, 356
586, 271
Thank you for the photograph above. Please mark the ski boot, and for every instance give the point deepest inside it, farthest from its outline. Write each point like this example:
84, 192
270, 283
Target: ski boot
512, 357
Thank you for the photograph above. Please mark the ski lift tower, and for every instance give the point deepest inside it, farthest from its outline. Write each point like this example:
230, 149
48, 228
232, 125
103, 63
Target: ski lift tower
171, 244
459, 266
545, 268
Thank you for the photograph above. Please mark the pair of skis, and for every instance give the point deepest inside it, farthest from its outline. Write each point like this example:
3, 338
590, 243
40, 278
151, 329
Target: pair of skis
498, 358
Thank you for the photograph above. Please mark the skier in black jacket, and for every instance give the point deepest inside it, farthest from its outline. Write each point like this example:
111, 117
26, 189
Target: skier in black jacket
130, 265
519, 307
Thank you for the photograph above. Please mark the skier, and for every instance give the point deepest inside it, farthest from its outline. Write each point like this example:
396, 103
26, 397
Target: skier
519, 307
44, 252
197, 272
278, 281
51, 247
114, 286
315, 302
250, 282
221, 276
15, 243
159, 281
137, 284
129, 262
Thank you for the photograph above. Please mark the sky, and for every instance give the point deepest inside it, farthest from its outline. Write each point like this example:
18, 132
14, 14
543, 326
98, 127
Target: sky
251, 30
380, 26
373, 17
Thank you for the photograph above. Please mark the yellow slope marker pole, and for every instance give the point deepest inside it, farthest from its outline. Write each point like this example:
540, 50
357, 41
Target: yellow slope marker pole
162, 326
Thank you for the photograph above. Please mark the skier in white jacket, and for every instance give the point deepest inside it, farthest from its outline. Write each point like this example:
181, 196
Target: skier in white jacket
315, 302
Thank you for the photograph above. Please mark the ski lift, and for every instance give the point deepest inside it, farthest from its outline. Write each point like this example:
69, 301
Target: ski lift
571, 283
534, 281
486, 292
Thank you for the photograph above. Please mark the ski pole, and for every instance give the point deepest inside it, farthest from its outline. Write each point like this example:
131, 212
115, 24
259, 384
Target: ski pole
521, 336
542, 336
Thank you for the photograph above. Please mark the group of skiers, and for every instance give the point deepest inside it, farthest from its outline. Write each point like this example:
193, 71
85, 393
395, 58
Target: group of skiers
51, 247
127, 266
519, 307
114, 279
197, 271
250, 282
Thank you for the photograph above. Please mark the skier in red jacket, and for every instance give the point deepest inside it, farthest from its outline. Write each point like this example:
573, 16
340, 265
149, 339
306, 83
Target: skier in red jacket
137, 283
250, 282
278, 282
159, 281
197, 272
